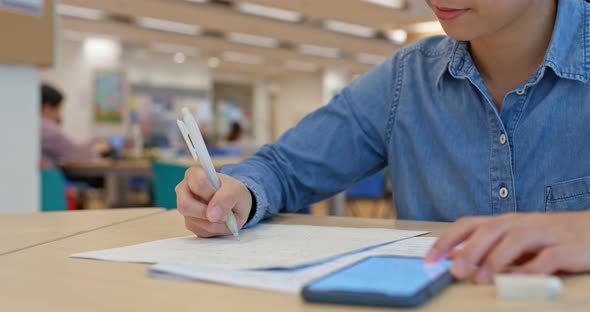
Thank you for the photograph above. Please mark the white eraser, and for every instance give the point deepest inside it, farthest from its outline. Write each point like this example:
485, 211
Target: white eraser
521, 286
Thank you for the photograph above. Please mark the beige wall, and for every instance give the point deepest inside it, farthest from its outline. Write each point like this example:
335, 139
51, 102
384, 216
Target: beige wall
261, 113
297, 96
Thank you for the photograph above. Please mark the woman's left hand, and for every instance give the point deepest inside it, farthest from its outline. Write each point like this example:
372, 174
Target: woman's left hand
532, 243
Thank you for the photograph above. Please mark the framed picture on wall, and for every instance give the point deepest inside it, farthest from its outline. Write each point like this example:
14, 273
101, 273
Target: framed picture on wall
110, 90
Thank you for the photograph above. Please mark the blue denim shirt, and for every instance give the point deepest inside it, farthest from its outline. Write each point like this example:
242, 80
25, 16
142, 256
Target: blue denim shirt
427, 114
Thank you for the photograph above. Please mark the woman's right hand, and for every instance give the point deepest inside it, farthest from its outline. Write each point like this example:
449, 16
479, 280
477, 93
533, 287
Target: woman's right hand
205, 209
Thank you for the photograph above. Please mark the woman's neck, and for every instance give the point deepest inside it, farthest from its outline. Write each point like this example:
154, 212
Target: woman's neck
510, 56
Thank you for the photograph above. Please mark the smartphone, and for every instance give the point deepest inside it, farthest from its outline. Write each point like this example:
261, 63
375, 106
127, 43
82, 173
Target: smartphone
390, 281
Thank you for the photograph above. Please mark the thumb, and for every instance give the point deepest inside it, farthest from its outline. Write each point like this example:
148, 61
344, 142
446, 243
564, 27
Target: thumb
222, 202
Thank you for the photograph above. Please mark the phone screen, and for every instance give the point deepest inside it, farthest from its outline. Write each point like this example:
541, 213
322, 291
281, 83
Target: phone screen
392, 276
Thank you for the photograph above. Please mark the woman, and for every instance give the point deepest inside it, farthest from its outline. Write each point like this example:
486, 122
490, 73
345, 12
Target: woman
491, 120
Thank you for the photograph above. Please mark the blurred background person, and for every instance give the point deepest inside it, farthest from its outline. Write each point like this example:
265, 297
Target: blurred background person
56, 147
237, 142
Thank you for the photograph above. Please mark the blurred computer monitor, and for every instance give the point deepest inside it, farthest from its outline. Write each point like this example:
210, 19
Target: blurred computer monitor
118, 143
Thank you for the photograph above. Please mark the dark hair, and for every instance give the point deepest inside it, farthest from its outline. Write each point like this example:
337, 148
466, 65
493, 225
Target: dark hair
235, 132
51, 96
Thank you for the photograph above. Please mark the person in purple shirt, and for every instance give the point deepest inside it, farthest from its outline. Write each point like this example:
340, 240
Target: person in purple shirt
56, 147
487, 127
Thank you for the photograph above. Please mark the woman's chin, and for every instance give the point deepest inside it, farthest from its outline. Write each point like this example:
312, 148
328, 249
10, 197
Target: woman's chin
461, 33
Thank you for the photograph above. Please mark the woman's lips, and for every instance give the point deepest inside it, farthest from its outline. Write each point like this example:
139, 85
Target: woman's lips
448, 14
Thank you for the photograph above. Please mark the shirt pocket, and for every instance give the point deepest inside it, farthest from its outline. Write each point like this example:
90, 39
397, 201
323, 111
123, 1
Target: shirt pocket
572, 195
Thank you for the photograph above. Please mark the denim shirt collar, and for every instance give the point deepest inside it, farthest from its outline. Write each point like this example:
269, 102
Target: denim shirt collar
568, 54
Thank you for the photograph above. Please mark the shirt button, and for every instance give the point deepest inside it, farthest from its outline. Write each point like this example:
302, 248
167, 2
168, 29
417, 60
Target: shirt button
504, 192
502, 139
520, 92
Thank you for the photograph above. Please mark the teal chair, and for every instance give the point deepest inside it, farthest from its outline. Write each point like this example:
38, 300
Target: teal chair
166, 176
53, 190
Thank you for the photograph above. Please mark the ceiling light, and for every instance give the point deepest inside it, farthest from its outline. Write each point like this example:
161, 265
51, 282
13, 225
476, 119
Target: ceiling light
318, 50
213, 62
398, 36
425, 27
198, 1
242, 58
80, 12
270, 12
179, 58
101, 51
392, 4
351, 29
164, 25
301, 66
371, 58
163, 47
259, 41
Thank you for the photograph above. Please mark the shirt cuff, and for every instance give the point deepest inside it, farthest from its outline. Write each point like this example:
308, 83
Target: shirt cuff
259, 198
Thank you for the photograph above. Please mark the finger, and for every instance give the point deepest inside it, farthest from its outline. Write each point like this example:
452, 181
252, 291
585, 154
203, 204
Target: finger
566, 258
223, 201
204, 228
187, 204
191, 225
455, 251
199, 183
456, 234
524, 258
479, 244
512, 247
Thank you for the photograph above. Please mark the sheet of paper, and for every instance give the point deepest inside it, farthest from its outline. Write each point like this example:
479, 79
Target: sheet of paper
263, 246
290, 281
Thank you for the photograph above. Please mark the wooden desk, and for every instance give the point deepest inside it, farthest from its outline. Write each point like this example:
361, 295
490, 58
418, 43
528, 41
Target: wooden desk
101, 167
18, 231
218, 162
115, 172
43, 278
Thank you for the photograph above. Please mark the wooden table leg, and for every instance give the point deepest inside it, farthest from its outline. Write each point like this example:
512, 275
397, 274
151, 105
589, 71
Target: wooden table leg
111, 182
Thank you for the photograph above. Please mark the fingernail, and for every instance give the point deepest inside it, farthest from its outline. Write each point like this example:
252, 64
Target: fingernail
483, 276
433, 255
215, 214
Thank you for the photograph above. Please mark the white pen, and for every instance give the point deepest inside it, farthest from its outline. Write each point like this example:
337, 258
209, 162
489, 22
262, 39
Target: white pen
194, 140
